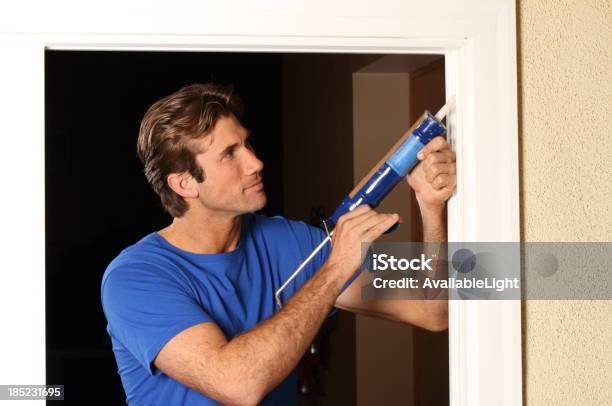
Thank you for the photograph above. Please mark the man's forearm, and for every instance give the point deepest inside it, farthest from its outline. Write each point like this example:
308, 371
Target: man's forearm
434, 224
434, 237
265, 355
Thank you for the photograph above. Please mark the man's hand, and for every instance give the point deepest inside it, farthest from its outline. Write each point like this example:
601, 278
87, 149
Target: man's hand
435, 177
362, 225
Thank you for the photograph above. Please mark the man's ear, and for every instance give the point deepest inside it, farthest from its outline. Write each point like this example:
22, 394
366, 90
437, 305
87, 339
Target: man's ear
183, 184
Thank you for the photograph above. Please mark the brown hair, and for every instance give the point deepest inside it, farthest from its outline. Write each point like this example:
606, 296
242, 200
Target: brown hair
168, 131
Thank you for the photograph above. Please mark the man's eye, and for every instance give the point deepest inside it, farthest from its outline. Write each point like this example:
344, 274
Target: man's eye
227, 155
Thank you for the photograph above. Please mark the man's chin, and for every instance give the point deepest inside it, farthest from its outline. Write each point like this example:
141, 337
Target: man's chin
258, 203
262, 203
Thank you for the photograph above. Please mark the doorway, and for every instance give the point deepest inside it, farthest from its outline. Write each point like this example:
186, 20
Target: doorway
311, 115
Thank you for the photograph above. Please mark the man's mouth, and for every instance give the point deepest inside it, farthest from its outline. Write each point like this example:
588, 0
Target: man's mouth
255, 186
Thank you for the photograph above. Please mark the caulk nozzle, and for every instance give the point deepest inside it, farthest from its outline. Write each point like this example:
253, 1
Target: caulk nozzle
445, 109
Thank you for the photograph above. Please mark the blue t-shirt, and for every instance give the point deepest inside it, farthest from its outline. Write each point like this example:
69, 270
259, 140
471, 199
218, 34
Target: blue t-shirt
153, 290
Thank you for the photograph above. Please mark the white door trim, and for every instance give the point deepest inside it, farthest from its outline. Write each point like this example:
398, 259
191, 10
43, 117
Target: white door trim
478, 41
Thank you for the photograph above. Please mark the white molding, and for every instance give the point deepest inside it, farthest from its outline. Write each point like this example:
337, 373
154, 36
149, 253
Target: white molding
485, 336
478, 40
22, 214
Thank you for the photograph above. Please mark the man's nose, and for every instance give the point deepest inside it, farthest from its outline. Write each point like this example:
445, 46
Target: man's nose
254, 165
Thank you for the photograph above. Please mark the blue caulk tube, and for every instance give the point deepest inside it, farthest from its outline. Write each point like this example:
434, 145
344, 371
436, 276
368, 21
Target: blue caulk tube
375, 187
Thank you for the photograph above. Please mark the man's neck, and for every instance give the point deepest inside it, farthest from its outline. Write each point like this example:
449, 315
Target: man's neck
204, 234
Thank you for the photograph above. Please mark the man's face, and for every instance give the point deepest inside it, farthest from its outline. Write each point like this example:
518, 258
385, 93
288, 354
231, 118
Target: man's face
233, 183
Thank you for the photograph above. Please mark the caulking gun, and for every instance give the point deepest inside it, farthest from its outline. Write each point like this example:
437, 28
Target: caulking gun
383, 177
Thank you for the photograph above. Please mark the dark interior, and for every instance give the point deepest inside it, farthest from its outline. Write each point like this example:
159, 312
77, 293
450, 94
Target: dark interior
97, 198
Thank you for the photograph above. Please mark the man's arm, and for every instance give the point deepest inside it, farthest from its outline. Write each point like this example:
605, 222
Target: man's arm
433, 181
428, 314
244, 369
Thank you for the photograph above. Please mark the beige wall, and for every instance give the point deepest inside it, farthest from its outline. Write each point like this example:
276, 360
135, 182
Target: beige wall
565, 105
381, 115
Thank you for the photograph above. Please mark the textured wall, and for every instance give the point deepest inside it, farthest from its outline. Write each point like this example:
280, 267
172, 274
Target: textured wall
565, 96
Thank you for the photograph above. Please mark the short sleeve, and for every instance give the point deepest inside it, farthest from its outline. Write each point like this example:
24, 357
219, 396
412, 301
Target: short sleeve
145, 307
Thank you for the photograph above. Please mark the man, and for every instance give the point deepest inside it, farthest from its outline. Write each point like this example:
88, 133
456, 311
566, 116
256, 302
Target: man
191, 309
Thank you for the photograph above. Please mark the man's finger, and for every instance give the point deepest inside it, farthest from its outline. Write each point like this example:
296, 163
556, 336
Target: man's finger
359, 221
437, 157
379, 228
437, 144
438, 169
363, 226
357, 211
444, 180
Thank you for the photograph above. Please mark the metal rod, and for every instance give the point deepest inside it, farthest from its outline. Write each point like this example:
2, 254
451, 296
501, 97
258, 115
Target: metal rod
299, 269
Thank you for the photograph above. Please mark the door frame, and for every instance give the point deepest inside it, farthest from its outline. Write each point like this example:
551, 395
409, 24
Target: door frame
479, 44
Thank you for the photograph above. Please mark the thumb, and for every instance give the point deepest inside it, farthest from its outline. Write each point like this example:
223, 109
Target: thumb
423, 153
